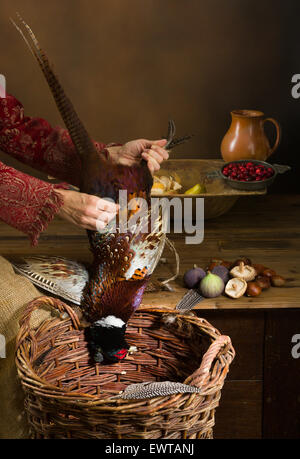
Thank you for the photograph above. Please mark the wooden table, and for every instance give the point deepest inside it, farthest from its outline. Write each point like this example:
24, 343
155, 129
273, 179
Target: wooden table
261, 396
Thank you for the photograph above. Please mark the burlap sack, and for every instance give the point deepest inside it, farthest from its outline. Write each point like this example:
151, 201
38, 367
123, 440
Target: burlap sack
15, 292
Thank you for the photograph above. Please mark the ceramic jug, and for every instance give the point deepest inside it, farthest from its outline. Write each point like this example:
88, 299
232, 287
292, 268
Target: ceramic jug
246, 138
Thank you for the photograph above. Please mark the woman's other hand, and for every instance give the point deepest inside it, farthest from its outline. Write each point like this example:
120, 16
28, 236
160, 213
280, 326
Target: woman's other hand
85, 210
132, 152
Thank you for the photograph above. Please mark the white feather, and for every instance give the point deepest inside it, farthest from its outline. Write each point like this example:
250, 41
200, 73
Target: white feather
110, 321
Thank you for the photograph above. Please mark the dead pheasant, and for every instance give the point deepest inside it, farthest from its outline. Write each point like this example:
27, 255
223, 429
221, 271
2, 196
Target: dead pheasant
122, 262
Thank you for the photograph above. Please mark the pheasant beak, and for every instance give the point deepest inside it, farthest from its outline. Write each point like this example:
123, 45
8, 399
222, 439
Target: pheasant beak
121, 354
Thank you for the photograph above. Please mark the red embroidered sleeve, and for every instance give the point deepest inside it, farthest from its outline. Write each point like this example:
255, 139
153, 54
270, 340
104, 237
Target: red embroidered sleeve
34, 142
26, 203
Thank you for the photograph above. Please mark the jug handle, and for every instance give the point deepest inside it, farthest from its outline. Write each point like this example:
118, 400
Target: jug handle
278, 134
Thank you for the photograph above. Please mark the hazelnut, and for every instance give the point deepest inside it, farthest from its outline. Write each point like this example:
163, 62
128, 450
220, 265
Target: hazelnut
253, 289
277, 281
259, 268
269, 272
263, 282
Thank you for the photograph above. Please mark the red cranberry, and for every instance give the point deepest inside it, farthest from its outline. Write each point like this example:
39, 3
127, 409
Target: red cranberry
247, 171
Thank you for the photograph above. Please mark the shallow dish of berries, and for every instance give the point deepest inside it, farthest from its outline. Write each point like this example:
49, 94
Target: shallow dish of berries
250, 174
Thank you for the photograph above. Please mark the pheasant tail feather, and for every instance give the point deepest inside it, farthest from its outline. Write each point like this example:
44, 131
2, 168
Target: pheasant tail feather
78, 133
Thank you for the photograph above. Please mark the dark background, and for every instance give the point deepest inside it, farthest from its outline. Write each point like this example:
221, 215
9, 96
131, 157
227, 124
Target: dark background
129, 65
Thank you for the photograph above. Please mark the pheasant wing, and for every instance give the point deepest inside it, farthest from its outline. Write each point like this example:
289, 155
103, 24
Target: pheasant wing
60, 276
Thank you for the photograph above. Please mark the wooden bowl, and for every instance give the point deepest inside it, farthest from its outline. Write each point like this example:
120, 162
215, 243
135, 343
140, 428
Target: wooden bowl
219, 196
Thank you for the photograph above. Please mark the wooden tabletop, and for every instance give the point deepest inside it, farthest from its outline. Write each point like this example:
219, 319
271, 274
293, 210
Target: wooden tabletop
264, 228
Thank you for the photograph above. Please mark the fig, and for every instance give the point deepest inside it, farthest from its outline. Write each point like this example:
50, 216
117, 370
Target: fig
213, 263
222, 272
218, 262
235, 288
193, 276
211, 285
269, 272
253, 289
263, 282
227, 264
277, 281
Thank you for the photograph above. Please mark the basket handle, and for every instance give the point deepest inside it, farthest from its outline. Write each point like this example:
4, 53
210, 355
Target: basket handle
199, 376
54, 303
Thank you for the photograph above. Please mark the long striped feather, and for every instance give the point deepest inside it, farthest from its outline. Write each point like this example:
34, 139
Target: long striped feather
78, 133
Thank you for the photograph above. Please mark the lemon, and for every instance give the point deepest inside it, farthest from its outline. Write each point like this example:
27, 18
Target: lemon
196, 189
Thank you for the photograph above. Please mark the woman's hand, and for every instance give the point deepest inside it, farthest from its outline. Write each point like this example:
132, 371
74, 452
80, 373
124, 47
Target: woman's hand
85, 210
91, 212
132, 152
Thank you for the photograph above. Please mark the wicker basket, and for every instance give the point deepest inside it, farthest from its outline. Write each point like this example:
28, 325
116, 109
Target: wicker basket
66, 396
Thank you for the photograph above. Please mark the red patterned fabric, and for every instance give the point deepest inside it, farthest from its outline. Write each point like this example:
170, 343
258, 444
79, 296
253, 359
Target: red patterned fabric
34, 142
27, 203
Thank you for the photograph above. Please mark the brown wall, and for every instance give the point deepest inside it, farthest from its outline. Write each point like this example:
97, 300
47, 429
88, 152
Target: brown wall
129, 65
